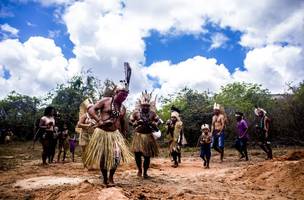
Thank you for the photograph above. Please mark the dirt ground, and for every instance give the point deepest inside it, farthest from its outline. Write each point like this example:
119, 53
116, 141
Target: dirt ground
23, 177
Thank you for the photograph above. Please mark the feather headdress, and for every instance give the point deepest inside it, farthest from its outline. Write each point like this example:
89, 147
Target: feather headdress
84, 106
124, 84
147, 99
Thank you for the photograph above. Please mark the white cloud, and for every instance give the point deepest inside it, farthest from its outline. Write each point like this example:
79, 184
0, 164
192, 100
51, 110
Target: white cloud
218, 40
197, 73
273, 66
8, 31
107, 33
35, 66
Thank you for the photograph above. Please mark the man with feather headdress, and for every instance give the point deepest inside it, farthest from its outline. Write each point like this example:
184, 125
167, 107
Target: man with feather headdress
217, 129
145, 121
107, 146
175, 130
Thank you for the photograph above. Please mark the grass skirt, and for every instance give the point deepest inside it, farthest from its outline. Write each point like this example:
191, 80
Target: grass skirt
84, 137
174, 147
145, 143
110, 146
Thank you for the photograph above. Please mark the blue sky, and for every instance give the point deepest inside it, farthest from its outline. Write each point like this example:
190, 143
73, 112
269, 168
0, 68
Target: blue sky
202, 44
178, 48
33, 19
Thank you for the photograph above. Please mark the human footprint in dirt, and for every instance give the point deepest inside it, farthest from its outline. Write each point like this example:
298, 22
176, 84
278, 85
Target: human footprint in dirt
205, 148
107, 146
145, 121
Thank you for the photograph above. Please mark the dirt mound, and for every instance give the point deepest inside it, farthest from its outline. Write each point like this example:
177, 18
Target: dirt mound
90, 191
295, 155
278, 176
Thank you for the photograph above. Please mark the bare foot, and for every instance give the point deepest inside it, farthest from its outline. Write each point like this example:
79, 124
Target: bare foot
111, 183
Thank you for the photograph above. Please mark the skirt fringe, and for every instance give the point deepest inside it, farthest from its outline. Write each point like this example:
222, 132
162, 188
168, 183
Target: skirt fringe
144, 143
109, 146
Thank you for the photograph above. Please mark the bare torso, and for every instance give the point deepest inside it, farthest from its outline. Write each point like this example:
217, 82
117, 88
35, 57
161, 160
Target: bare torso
148, 121
47, 123
218, 122
110, 117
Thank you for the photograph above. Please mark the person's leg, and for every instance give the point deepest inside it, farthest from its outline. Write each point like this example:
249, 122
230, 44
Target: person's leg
104, 172
51, 150
202, 154
263, 146
269, 150
238, 146
138, 163
58, 157
111, 177
208, 155
244, 148
174, 156
179, 156
44, 153
64, 154
146, 165
215, 143
73, 153
222, 145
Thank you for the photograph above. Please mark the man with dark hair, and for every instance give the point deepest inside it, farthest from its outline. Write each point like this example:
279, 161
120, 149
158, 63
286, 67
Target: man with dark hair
145, 121
107, 145
262, 128
45, 133
241, 142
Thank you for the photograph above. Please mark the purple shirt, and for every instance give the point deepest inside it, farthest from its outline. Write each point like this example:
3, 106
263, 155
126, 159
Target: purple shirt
241, 127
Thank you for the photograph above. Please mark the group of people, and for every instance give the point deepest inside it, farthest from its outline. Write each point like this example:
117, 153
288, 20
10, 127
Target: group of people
103, 125
214, 137
51, 136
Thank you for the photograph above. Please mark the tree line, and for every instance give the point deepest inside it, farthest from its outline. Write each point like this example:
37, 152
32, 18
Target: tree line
286, 111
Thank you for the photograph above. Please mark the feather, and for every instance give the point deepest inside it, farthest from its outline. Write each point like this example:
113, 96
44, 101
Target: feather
128, 72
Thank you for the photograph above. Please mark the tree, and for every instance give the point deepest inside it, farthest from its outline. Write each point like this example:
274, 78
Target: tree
67, 97
195, 110
19, 112
242, 97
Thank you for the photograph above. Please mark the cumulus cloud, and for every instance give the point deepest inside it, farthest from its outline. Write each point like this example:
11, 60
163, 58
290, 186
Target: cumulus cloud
273, 66
198, 73
107, 33
35, 66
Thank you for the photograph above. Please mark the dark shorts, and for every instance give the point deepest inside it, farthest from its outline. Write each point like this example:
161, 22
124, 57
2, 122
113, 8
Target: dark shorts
205, 151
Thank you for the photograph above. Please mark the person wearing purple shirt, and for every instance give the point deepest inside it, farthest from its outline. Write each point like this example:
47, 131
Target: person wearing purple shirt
241, 142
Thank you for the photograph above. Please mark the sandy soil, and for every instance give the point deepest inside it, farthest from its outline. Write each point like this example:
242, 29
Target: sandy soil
23, 177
